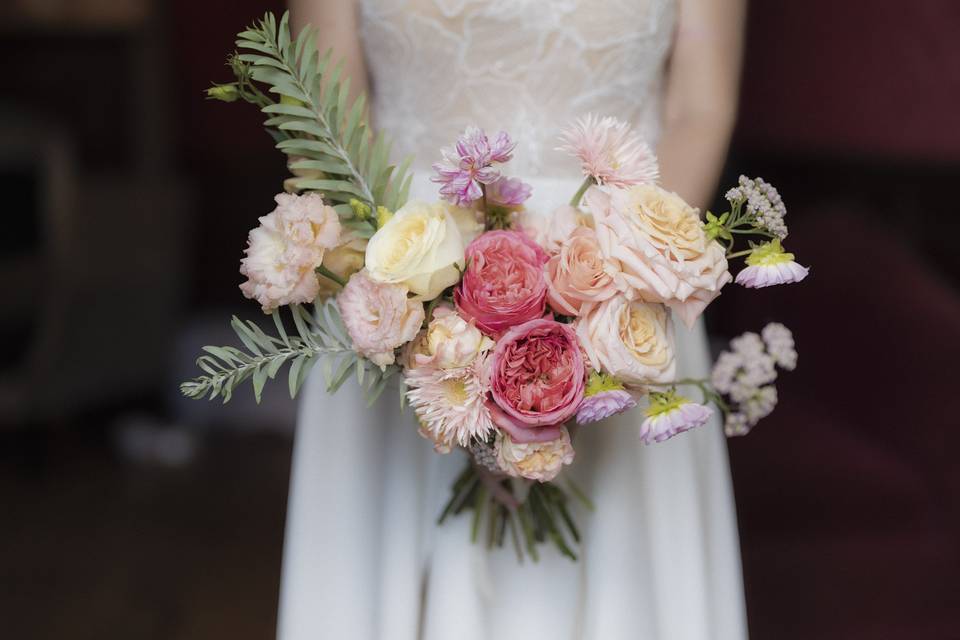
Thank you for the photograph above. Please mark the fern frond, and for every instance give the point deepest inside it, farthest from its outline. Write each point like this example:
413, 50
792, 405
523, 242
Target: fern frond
321, 335
314, 120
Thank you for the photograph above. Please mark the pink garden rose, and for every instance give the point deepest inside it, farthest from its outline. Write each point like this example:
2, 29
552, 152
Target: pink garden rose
580, 273
379, 317
663, 250
503, 285
537, 377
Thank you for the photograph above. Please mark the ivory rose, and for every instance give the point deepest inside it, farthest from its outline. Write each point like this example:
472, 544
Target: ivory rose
379, 317
284, 250
540, 461
503, 285
537, 375
420, 247
580, 273
629, 340
451, 342
660, 243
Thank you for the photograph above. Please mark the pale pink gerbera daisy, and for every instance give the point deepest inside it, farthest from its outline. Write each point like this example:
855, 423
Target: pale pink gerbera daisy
450, 403
610, 152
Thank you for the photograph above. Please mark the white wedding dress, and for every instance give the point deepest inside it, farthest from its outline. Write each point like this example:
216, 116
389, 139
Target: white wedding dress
363, 557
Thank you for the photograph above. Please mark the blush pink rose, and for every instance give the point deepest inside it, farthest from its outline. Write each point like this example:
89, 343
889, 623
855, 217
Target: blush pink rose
503, 285
537, 378
580, 273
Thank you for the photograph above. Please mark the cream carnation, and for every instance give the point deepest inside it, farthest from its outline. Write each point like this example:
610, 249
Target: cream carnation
662, 248
629, 340
540, 461
284, 250
420, 246
379, 317
451, 341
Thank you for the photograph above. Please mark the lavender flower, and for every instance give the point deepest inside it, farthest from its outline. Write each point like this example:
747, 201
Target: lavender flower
469, 164
780, 345
508, 192
746, 374
768, 265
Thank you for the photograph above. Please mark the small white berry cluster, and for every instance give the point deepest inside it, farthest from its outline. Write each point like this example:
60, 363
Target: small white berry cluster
746, 374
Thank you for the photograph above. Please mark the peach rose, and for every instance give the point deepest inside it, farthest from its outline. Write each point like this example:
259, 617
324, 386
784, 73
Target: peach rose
580, 273
630, 340
660, 243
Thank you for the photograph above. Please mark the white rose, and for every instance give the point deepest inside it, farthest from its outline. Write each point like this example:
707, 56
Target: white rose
420, 247
630, 340
452, 342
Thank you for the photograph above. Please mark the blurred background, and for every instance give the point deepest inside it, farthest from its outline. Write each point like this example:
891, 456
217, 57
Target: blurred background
127, 511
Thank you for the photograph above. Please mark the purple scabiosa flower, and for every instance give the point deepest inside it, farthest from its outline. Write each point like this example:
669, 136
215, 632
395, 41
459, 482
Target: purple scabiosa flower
469, 163
670, 414
605, 396
604, 404
508, 192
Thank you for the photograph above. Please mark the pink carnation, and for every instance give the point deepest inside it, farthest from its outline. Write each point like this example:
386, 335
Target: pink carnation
379, 317
503, 285
537, 376
284, 250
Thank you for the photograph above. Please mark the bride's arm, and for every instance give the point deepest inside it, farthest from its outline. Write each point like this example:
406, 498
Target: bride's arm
701, 96
337, 28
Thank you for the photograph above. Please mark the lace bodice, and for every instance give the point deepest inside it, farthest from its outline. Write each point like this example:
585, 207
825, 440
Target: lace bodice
524, 66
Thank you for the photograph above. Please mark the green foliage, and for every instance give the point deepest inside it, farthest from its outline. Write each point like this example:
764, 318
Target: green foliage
320, 337
313, 121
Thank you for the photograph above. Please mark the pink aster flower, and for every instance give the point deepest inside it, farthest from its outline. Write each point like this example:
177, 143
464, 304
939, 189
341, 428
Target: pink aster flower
508, 192
470, 163
451, 403
670, 414
604, 404
610, 152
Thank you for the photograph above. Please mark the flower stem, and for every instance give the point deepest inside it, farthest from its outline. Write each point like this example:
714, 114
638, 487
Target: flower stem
739, 254
578, 196
330, 275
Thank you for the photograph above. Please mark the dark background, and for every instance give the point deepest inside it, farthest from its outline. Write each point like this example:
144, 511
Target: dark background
128, 512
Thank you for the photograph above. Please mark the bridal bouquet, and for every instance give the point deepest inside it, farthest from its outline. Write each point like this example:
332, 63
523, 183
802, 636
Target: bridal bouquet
507, 331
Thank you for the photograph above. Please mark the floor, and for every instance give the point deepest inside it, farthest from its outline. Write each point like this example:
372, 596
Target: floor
94, 548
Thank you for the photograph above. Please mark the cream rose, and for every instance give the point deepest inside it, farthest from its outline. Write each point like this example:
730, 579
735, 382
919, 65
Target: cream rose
661, 246
540, 461
419, 247
630, 340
